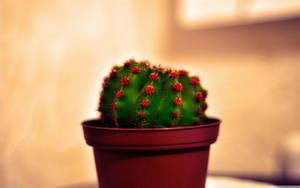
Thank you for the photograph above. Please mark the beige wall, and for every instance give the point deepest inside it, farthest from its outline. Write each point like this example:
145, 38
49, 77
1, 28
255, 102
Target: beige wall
54, 55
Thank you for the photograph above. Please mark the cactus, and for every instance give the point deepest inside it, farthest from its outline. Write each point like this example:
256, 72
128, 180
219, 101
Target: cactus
137, 95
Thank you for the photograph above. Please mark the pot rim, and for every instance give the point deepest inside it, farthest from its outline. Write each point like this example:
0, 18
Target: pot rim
213, 122
151, 138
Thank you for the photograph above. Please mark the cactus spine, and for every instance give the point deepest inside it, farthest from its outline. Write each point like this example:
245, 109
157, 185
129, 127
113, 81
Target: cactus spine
139, 95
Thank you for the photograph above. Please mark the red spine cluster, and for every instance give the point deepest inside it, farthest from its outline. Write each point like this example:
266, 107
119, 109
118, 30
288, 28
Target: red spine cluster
204, 93
149, 89
173, 74
113, 73
199, 96
175, 115
195, 82
115, 107
125, 81
154, 76
119, 94
142, 115
158, 69
145, 103
105, 85
199, 111
145, 64
114, 118
177, 101
177, 87
136, 70
183, 73
129, 63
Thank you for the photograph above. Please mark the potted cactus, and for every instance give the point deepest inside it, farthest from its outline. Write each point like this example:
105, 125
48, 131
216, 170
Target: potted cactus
153, 131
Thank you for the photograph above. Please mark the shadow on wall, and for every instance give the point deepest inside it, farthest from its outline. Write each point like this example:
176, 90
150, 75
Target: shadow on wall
279, 36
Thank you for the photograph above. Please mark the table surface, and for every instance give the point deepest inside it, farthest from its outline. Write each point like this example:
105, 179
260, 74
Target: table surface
227, 182
212, 182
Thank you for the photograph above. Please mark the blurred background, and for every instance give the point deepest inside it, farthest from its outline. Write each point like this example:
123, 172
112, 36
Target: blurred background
55, 53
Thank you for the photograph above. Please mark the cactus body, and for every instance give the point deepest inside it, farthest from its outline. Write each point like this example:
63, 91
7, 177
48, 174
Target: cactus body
139, 95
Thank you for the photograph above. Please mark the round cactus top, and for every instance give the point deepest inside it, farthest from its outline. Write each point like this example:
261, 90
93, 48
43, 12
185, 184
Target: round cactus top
140, 95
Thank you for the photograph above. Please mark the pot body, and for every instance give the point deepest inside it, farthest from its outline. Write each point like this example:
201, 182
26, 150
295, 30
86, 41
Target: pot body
147, 158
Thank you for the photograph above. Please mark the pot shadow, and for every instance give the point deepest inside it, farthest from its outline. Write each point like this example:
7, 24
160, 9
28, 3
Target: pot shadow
80, 185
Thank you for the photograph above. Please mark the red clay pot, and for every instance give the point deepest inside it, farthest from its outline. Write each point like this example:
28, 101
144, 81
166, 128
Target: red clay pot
151, 158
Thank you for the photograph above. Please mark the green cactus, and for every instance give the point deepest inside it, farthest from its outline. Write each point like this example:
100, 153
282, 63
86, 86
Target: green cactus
139, 95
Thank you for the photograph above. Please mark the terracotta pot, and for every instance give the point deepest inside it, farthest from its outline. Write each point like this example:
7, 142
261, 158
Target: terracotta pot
151, 158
